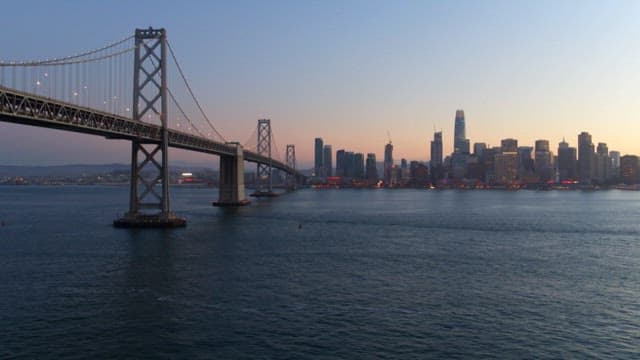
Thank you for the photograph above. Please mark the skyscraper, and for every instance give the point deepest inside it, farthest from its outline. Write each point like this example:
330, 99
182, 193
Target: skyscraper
615, 164
460, 142
567, 162
436, 150
358, 163
629, 169
372, 171
341, 163
327, 164
388, 163
585, 158
602, 171
317, 166
509, 145
525, 162
543, 161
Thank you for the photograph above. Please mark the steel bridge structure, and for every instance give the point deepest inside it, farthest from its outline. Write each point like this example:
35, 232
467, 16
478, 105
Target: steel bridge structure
149, 194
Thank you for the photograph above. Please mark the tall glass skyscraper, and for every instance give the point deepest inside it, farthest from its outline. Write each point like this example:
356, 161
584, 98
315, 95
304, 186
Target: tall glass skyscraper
436, 150
372, 171
460, 142
586, 156
317, 166
388, 163
567, 162
327, 164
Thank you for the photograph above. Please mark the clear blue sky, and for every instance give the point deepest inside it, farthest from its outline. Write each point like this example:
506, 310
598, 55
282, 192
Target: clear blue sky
349, 71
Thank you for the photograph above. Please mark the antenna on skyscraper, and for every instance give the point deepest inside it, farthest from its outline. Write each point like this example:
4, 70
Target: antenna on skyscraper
389, 136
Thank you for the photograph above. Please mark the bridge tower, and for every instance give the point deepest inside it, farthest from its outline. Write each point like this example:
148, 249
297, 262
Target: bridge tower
264, 182
149, 192
291, 162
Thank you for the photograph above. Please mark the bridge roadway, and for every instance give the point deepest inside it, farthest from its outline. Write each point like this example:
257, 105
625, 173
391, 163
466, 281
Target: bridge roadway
28, 109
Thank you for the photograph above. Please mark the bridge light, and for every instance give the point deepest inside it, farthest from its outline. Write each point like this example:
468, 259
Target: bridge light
38, 82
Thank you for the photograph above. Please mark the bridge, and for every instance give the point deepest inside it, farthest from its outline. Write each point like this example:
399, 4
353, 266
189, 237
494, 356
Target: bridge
87, 93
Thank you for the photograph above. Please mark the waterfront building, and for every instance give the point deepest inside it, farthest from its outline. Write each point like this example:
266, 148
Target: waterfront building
459, 165
629, 169
488, 162
388, 164
358, 166
567, 162
602, 169
544, 161
585, 158
506, 167
371, 170
349, 164
525, 162
614, 156
341, 163
419, 174
436, 163
506, 162
317, 165
475, 170
327, 164
405, 173
436, 150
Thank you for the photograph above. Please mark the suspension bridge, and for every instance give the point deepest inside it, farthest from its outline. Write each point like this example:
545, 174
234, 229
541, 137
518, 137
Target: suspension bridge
91, 92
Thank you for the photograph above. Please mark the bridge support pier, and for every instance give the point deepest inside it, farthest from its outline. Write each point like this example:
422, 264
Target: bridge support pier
231, 187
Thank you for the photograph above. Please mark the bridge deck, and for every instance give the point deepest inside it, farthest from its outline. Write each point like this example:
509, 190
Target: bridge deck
28, 109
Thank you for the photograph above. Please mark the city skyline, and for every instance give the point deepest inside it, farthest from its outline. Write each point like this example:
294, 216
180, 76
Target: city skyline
350, 72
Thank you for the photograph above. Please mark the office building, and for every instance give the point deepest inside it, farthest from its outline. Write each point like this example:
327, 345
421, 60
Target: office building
525, 162
506, 167
614, 156
478, 149
371, 170
629, 169
327, 164
585, 158
318, 169
602, 162
388, 164
358, 165
509, 145
567, 162
436, 150
544, 161
460, 141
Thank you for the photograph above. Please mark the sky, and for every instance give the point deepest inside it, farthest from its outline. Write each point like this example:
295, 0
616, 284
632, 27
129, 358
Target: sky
357, 73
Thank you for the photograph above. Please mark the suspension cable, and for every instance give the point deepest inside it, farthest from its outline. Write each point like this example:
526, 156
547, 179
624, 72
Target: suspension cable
183, 113
64, 60
103, 57
191, 92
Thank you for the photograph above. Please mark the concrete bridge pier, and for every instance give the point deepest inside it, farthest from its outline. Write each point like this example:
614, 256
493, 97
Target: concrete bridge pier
231, 187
